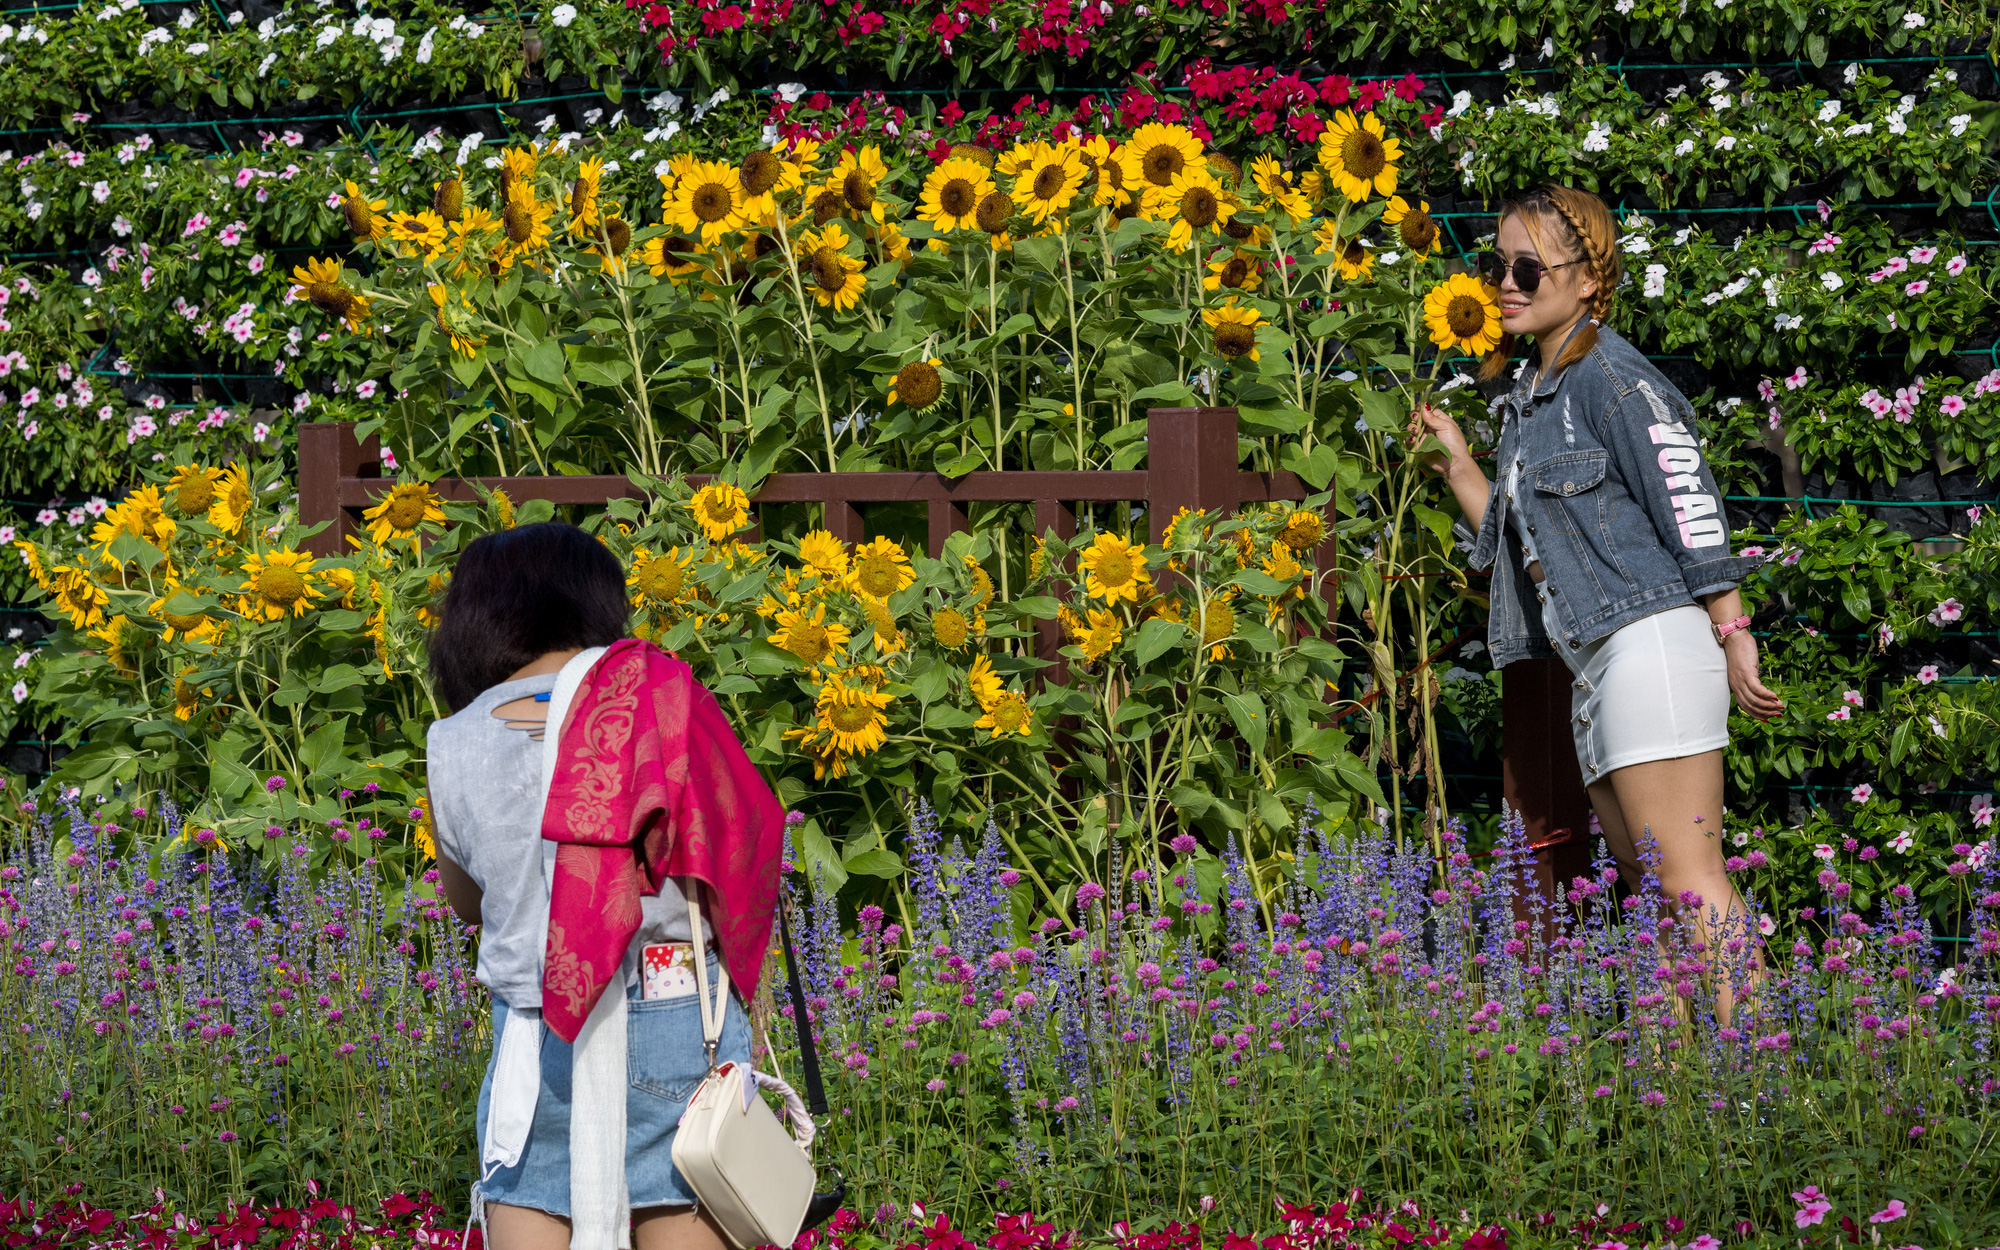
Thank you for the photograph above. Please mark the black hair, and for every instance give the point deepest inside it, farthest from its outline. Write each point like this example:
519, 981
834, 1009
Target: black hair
517, 595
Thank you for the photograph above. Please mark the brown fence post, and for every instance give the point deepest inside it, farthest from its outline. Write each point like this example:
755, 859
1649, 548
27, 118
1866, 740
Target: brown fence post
1539, 774
843, 521
1190, 463
328, 452
1053, 514
946, 518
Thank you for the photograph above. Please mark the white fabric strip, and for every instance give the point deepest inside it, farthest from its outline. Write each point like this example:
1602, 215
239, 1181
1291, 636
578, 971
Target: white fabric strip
598, 1206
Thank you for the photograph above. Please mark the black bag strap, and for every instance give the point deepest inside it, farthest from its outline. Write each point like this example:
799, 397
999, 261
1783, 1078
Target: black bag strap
808, 1053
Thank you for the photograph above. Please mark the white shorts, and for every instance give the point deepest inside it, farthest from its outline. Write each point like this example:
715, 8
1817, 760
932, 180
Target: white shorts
1657, 689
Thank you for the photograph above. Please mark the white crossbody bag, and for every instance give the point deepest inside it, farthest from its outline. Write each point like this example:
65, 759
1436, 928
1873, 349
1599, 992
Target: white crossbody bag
750, 1175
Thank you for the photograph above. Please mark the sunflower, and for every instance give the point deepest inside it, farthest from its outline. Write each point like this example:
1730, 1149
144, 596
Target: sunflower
952, 194
809, 635
1275, 181
112, 635
1047, 179
1462, 313
1008, 713
1100, 634
1218, 625
583, 213
328, 293
888, 637
707, 202
854, 721
982, 584
1158, 154
377, 630
1116, 189
448, 199
453, 321
610, 248
1417, 229
658, 580
671, 256
949, 628
881, 568
918, 385
428, 614
1194, 201
1355, 261
196, 626
721, 509
826, 761
192, 489
1359, 159
425, 231
471, 235
233, 501
1303, 530
525, 220
517, 169
32, 557
79, 596
1235, 327
402, 512
837, 280
142, 515
824, 555
279, 584
1285, 567
187, 696
891, 242
360, 212
1238, 273
983, 682
1114, 569
423, 834
856, 177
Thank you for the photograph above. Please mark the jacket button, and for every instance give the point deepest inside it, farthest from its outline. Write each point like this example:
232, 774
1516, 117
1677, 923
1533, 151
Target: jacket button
1574, 644
1568, 487
1531, 527
1584, 721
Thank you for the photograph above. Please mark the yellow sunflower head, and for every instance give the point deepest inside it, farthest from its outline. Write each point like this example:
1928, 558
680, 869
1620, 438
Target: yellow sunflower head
278, 585
1463, 314
1303, 530
234, 498
1114, 569
852, 719
918, 385
825, 555
192, 489
721, 509
709, 201
881, 568
952, 194
658, 580
1416, 229
1359, 159
363, 214
402, 512
425, 233
1235, 327
1158, 154
949, 628
806, 633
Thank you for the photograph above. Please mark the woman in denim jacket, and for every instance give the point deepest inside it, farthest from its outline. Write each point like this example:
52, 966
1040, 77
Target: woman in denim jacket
1606, 537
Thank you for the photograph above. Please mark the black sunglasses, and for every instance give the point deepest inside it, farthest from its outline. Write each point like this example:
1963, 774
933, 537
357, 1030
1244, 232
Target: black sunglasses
1527, 270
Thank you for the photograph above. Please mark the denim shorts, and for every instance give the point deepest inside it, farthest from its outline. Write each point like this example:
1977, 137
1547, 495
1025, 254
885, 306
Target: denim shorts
664, 1062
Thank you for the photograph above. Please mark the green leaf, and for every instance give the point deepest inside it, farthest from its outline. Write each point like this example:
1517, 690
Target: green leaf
762, 659
545, 362
874, 863
1436, 522
1854, 597
1352, 771
337, 677
322, 748
1043, 253
1155, 638
1252, 722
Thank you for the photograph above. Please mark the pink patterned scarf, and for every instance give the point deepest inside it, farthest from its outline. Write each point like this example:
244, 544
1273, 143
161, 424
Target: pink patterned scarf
648, 763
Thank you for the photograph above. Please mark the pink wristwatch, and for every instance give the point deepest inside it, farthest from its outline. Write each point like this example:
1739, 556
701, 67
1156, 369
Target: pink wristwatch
1727, 628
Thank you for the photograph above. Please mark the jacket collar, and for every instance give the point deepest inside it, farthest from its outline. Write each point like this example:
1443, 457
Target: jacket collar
1548, 387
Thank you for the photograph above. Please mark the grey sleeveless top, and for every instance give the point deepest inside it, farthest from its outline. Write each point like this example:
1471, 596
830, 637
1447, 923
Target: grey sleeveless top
486, 795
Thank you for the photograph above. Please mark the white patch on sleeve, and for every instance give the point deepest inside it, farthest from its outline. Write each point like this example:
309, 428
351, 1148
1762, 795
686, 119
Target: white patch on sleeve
1569, 431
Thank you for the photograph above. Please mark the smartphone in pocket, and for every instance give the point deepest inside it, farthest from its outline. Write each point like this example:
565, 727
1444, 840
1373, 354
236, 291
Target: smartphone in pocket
667, 971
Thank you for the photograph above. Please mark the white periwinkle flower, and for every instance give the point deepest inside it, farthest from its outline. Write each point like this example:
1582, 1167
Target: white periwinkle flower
563, 14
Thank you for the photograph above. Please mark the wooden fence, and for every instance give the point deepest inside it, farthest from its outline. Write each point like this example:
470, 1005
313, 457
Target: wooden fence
1192, 462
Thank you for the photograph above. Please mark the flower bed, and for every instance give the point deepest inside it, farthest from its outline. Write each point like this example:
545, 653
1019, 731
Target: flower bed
1166, 1045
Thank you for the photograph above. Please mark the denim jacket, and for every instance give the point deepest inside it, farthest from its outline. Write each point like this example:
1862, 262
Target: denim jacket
1617, 496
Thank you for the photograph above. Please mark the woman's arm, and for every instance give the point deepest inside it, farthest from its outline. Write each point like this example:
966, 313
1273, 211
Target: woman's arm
460, 890
1739, 652
1467, 480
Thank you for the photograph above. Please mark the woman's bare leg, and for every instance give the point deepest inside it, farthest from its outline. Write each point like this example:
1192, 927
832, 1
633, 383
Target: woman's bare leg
675, 1228
524, 1228
1679, 804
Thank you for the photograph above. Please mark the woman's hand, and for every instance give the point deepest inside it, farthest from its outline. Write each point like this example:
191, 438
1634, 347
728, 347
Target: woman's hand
1430, 422
1739, 651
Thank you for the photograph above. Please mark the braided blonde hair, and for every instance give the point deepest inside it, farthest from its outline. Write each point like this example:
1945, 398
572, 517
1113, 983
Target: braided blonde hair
1579, 224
